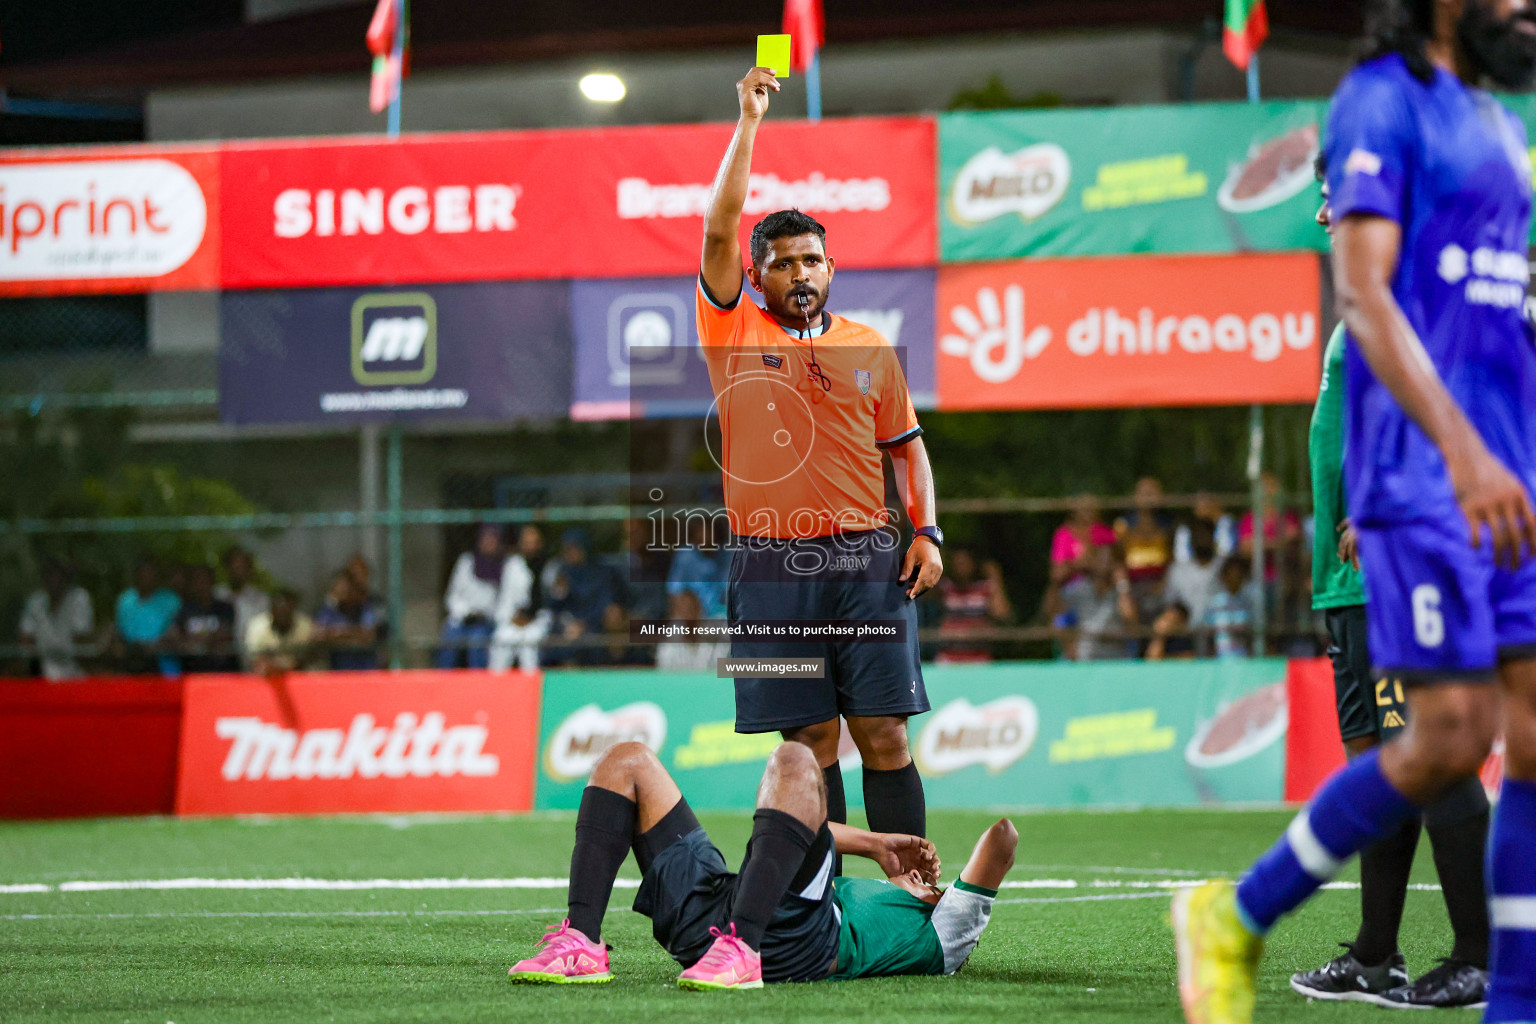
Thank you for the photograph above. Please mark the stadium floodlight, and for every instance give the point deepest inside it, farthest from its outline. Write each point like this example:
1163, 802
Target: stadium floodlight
600, 87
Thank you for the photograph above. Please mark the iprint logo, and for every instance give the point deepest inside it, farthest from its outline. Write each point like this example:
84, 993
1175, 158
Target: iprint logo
993, 336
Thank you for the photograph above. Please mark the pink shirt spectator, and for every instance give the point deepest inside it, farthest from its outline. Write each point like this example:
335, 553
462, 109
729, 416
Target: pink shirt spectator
1067, 546
1277, 529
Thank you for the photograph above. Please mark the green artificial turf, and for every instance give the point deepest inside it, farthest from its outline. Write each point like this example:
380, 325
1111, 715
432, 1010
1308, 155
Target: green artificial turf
228, 956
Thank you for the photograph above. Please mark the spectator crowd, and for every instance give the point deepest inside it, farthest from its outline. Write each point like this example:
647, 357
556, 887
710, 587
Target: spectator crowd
175, 618
1151, 586
1146, 585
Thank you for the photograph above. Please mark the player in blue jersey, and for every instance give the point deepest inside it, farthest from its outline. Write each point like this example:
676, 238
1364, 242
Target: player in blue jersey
1431, 190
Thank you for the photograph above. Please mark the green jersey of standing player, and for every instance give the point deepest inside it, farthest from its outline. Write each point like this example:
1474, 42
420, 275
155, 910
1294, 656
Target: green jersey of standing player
1336, 581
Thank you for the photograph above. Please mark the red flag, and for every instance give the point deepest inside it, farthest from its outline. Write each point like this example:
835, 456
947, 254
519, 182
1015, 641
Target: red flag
387, 71
804, 22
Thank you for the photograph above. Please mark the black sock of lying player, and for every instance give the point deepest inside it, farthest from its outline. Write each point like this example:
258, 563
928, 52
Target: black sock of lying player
605, 828
774, 855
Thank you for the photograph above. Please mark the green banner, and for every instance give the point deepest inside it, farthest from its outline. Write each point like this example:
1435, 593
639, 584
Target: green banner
1017, 734
1218, 177
1193, 178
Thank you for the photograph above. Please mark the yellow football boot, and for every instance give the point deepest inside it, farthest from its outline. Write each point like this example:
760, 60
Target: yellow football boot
1218, 956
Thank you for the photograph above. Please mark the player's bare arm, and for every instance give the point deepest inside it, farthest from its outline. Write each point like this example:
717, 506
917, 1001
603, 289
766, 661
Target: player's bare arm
721, 264
923, 565
1366, 253
896, 854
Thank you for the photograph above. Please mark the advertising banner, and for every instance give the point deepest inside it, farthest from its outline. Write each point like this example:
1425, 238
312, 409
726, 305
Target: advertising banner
637, 346
119, 219
1040, 735
1135, 331
347, 742
615, 202
1192, 178
1314, 749
486, 351
88, 748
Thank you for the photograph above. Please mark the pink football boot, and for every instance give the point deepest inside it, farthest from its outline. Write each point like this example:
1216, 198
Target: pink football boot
567, 958
729, 964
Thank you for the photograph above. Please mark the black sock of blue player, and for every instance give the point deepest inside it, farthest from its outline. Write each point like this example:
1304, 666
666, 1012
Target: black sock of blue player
605, 828
774, 854
894, 801
1384, 870
1460, 849
837, 805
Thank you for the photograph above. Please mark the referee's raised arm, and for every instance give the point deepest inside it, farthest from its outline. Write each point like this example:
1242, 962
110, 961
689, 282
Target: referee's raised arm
721, 265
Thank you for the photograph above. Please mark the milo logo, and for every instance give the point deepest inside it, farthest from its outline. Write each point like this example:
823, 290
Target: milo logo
574, 747
992, 183
960, 734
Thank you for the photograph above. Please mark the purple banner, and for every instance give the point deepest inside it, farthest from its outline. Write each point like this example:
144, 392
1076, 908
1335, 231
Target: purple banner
481, 351
637, 346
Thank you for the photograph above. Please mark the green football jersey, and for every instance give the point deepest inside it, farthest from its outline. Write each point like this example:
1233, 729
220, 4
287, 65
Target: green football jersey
885, 930
1335, 584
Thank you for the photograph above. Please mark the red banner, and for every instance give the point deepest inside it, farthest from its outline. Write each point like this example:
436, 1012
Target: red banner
88, 748
359, 742
1313, 749
617, 202
1129, 331
119, 219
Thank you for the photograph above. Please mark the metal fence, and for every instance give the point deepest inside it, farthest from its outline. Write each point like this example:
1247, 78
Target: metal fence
111, 451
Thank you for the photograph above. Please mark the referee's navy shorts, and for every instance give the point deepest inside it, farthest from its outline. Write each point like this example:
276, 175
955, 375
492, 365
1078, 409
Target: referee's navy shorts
849, 576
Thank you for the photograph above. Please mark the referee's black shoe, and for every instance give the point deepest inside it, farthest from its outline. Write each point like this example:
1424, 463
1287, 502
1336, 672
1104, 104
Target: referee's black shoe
1455, 983
1345, 978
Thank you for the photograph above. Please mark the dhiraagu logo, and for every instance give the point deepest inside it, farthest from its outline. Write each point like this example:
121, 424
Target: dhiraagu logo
394, 339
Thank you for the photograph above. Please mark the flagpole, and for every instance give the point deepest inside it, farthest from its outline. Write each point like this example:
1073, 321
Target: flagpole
397, 56
1256, 464
813, 88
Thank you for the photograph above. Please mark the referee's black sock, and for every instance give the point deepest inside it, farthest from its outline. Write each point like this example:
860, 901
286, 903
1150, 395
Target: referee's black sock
1459, 848
775, 853
1384, 869
837, 805
894, 801
605, 827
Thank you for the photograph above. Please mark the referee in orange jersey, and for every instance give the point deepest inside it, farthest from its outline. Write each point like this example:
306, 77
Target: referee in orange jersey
807, 402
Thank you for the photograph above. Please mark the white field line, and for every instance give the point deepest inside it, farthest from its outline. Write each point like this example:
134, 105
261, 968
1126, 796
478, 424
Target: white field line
287, 913
331, 884
1089, 899
1096, 869
421, 884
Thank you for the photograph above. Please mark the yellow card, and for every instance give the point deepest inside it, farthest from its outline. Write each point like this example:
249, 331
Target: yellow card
773, 53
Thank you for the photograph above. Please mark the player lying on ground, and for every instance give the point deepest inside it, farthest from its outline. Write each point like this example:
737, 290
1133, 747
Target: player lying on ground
784, 917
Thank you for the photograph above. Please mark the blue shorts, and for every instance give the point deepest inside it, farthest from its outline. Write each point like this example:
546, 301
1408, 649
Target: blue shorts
852, 578
1440, 609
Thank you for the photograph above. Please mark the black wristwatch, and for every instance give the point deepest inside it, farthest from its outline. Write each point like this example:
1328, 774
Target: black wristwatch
933, 533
